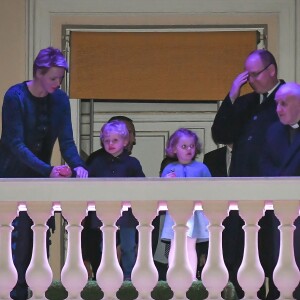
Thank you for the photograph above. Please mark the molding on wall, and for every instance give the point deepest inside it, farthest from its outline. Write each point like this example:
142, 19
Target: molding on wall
41, 12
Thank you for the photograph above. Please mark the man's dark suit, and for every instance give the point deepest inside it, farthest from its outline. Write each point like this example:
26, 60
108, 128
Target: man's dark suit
215, 160
281, 157
233, 234
245, 123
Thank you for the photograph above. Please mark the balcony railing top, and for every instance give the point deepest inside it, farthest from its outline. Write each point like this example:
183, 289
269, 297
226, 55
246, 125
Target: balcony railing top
147, 189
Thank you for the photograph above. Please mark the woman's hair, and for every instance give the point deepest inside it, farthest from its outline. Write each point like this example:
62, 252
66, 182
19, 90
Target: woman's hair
48, 58
114, 126
174, 139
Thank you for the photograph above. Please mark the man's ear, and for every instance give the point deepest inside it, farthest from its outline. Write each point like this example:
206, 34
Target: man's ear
272, 70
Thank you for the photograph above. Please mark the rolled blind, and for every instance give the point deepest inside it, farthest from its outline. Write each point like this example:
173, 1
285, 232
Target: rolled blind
174, 66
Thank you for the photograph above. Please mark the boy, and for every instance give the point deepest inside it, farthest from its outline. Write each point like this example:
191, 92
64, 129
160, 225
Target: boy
113, 160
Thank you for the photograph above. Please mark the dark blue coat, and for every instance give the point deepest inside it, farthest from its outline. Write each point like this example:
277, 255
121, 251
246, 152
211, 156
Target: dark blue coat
25, 150
102, 164
281, 157
244, 124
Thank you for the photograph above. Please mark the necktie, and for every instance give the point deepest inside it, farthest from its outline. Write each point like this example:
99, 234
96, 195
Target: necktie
292, 134
265, 97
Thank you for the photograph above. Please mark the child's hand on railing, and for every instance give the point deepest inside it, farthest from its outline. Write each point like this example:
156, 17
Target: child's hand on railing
171, 174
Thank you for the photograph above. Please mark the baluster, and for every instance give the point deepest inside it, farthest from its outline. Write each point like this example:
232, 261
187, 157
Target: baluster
39, 274
144, 274
251, 274
286, 275
8, 272
180, 275
214, 274
74, 275
109, 275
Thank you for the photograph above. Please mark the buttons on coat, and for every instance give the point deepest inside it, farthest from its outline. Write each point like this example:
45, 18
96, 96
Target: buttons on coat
42, 124
38, 146
113, 160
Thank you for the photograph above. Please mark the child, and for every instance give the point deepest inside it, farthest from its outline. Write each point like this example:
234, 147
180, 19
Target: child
184, 145
114, 161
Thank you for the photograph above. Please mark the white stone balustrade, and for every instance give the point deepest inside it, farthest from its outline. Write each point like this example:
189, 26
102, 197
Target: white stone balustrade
8, 272
74, 275
251, 275
39, 274
180, 275
144, 274
145, 195
286, 273
109, 275
215, 274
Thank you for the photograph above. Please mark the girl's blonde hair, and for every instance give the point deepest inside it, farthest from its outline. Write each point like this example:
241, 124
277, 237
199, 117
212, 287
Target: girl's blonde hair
174, 139
115, 126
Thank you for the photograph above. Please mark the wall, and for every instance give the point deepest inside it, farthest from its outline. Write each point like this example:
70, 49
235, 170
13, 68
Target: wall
13, 50
25, 20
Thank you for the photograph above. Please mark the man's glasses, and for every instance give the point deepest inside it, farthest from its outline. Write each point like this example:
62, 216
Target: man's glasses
256, 74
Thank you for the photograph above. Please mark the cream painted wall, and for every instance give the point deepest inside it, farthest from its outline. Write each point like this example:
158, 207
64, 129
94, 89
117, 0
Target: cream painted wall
13, 48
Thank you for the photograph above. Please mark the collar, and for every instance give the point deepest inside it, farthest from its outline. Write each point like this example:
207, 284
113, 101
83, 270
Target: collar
228, 149
121, 156
268, 93
273, 89
295, 126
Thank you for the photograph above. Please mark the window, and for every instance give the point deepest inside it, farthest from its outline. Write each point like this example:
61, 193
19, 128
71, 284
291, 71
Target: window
156, 65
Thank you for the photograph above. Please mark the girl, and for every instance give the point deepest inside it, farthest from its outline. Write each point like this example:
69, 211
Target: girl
184, 145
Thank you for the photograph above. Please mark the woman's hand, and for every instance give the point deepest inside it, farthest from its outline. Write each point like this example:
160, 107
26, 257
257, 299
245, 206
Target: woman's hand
81, 172
63, 171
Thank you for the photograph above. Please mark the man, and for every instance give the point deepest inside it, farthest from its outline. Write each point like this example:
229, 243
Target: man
281, 156
243, 121
281, 153
91, 234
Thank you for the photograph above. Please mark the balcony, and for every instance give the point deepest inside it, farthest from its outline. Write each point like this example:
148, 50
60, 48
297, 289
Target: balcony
146, 196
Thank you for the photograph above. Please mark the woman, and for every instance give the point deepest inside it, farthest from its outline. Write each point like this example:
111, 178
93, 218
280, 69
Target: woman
35, 114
